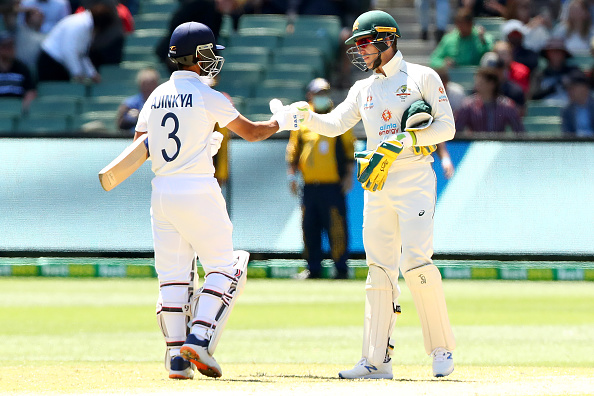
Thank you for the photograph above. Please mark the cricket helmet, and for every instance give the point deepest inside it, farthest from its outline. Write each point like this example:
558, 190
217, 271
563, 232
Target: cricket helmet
372, 27
194, 43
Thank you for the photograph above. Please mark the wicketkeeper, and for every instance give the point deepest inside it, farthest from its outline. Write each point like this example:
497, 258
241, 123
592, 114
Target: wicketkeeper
405, 112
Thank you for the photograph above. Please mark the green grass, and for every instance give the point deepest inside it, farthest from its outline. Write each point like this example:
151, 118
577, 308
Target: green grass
99, 324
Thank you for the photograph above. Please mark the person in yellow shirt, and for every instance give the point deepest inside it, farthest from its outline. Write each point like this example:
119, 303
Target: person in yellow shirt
326, 167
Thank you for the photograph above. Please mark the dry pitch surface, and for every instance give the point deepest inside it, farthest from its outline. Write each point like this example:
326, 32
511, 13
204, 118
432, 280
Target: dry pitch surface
292, 379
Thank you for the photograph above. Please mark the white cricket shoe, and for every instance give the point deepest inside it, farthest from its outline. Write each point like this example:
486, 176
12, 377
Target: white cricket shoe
180, 369
195, 350
366, 370
443, 362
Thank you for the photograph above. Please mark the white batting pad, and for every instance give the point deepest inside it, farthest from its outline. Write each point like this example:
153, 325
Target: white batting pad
172, 316
380, 315
425, 286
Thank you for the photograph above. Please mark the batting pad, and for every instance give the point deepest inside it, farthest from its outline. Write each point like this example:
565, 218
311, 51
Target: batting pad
380, 315
425, 286
172, 316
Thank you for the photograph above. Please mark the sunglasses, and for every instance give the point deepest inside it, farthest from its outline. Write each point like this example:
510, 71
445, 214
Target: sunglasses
364, 41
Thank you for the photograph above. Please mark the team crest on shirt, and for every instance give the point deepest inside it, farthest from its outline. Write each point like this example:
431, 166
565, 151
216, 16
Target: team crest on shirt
368, 103
387, 115
402, 92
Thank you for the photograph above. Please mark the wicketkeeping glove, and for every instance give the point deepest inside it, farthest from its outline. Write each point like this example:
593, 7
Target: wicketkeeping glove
373, 177
362, 158
291, 116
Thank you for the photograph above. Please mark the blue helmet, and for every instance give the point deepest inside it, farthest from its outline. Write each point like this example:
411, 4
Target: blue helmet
193, 43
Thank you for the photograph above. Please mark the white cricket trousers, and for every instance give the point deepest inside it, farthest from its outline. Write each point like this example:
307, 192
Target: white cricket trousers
188, 214
398, 220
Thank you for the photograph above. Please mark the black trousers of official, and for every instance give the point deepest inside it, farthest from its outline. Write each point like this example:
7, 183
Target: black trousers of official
324, 210
49, 69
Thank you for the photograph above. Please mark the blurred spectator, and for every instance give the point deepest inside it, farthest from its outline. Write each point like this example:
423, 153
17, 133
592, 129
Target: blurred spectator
507, 88
326, 165
481, 8
513, 31
550, 83
127, 116
577, 28
132, 5
442, 17
463, 46
487, 110
203, 11
514, 71
53, 11
29, 38
454, 91
9, 10
65, 51
107, 46
15, 78
537, 28
577, 118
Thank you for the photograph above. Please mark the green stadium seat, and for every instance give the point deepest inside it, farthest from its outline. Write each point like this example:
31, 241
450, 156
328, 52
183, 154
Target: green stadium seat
258, 40
146, 38
11, 106
62, 88
301, 42
292, 90
8, 123
270, 22
102, 103
238, 102
257, 55
245, 72
584, 62
67, 106
227, 28
96, 121
139, 54
236, 88
541, 110
261, 106
114, 88
160, 7
112, 73
44, 125
492, 25
150, 20
302, 56
464, 76
323, 26
301, 73
545, 127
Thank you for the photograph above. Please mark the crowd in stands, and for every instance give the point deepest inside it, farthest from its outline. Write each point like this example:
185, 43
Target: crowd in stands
540, 54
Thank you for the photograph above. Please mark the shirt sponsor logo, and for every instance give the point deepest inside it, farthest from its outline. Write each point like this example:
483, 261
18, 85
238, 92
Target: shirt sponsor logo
443, 98
441, 90
171, 101
386, 115
389, 129
368, 103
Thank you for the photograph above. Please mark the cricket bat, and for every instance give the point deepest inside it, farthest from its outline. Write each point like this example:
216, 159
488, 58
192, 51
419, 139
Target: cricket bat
125, 164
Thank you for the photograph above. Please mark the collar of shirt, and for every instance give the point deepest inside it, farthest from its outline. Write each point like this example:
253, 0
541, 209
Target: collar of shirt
185, 74
392, 67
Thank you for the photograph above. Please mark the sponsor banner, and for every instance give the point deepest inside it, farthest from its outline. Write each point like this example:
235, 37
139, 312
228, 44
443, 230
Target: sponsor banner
569, 274
484, 273
513, 273
541, 274
456, 272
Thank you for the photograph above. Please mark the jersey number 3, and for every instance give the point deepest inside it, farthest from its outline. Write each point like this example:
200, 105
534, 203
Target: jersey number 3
172, 135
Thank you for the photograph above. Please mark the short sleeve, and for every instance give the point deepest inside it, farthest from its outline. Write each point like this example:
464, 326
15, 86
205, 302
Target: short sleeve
142, 123
220, 109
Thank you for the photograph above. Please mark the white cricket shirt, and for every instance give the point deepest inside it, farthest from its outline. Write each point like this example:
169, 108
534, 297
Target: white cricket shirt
380, 101
179, 117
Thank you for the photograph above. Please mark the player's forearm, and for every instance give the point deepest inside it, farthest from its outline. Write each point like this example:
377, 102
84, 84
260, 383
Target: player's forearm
253, 131
439, 131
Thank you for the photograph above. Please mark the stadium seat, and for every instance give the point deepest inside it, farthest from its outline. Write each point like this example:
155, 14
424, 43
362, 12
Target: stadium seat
257, 55
8, 124
253, 40
62, 88
492, 25
146, 38
302, 56
545, 127
292, 90
150, 20
134, 53
261, 106
301, 73
541, 110
328, 47
114, 88
96, 121
236, 88
266, 22
160, 7
113, 73
227, 28
44, 125
244, 72
321, 25
11, 106
464, 76
102, 103
67, 106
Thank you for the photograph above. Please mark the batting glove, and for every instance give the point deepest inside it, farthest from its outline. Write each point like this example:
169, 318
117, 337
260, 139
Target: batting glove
374, 176
289, 117
215, 142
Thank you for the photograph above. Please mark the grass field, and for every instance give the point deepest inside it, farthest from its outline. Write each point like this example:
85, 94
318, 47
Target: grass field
79, 336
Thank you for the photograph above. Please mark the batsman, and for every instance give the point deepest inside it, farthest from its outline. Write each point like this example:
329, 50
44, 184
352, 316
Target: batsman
405, 113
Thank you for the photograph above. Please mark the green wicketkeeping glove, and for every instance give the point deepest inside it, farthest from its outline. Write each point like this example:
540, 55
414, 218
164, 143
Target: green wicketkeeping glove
374, 175
362, 158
